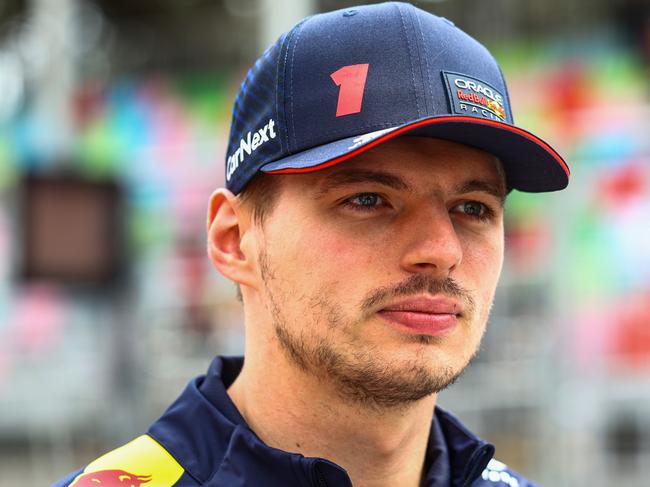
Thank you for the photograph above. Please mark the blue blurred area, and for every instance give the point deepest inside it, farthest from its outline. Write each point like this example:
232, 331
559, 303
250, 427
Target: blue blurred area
562, 385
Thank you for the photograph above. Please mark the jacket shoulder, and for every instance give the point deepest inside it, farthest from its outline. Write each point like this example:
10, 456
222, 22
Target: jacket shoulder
139, 462
497, 474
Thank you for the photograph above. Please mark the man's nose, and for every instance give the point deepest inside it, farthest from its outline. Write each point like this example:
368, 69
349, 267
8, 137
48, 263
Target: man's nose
431, 243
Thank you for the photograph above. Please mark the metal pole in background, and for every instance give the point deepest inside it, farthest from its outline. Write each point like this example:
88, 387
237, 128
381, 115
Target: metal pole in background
278, 16
50, 52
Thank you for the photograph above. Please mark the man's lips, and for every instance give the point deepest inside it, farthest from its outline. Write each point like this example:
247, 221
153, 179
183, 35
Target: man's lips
424, 315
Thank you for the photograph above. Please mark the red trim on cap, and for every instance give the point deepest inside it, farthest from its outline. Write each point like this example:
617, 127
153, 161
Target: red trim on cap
422, 123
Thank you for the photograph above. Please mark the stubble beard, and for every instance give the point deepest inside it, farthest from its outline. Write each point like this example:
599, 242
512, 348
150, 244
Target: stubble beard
358, 376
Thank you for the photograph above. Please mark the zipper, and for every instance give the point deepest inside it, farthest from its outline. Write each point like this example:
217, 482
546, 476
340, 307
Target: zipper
476, 460
320, 478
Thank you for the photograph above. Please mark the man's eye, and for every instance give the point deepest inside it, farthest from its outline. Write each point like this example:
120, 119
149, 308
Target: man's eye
364, 201
474, 209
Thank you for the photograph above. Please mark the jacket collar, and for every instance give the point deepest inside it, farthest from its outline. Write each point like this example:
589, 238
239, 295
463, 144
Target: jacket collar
206, 434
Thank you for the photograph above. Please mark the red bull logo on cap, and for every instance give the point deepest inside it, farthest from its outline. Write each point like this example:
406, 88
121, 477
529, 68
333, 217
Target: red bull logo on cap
470, 96
111, 478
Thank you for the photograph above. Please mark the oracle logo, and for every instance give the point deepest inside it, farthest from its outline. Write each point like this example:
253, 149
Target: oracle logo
478, 88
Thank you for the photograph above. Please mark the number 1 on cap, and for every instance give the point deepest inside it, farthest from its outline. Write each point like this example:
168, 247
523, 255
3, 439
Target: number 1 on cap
351, 81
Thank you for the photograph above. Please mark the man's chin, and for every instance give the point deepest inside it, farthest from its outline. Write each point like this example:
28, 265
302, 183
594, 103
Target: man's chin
392, 387
399, 376
385, 380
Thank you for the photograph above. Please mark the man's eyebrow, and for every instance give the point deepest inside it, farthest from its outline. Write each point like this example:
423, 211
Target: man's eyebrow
493, 189
353, 176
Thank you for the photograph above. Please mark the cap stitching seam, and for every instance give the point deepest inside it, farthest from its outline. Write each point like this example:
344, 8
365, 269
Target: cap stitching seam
293, 55
408, 45
426, 60
286, 55
277, 90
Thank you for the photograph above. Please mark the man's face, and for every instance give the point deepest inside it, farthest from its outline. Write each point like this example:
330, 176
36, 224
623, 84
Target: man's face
378, 274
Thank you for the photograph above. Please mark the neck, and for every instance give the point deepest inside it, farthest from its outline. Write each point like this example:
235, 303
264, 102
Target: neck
293, 411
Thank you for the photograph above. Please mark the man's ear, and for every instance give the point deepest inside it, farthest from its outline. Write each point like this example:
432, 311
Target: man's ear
227, 225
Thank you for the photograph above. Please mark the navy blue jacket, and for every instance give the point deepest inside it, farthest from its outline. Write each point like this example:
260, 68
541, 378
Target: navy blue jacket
202, 440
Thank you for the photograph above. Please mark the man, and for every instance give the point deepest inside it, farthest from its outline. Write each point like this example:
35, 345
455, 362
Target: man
371, 152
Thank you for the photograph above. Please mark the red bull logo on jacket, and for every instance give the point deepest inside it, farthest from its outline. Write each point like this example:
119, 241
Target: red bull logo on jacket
141, 463
111, 478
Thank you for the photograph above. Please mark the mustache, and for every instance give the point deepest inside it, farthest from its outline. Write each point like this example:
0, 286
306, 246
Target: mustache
417, 284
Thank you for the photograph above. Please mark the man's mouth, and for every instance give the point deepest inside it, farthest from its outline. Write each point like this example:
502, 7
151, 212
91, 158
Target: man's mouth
434, 316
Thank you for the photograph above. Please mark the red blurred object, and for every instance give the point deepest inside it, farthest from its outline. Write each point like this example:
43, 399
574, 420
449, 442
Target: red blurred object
570, 87
621, 185
568, 91
528, 245
631, 344
88, 103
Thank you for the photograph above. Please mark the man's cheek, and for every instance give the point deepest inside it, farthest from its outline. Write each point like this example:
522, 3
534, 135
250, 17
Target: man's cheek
331, 251
484, 262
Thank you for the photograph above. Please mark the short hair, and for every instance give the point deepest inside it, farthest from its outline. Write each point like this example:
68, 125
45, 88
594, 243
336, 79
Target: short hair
261, 196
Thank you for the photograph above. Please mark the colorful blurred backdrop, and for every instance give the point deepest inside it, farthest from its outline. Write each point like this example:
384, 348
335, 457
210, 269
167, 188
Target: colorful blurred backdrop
114, 117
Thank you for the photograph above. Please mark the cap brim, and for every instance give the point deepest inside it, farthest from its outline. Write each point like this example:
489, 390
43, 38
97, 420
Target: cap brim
530, 164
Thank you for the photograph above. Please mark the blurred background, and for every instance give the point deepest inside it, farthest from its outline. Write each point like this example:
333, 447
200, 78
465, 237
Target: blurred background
114, 118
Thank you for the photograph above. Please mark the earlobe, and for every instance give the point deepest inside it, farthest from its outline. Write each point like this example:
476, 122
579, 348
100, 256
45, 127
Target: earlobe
226, 227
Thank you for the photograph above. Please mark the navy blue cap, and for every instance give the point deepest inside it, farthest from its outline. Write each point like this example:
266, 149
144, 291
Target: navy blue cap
342, 82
